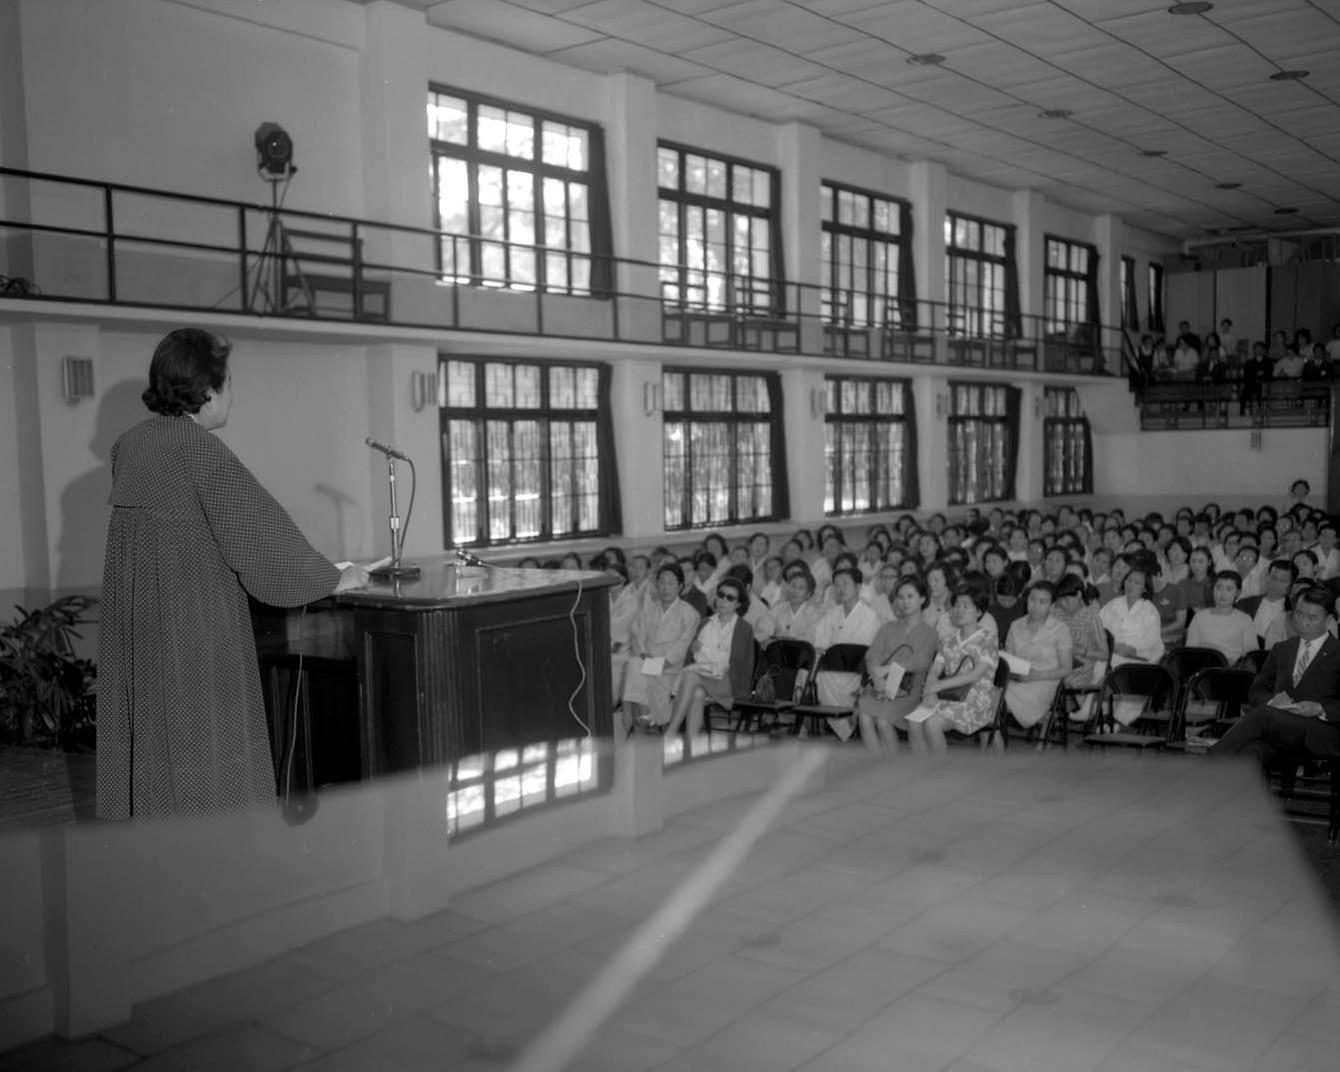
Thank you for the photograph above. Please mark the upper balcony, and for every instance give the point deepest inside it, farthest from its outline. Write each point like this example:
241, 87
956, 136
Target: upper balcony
65, 239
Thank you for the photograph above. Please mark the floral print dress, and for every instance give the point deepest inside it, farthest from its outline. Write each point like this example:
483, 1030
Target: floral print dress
978, 708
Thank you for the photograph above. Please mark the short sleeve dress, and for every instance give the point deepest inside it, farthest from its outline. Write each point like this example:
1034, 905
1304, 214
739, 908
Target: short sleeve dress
978, 708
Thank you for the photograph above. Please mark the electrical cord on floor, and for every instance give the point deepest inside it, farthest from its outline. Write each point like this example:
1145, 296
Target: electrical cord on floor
296, 810
577, 652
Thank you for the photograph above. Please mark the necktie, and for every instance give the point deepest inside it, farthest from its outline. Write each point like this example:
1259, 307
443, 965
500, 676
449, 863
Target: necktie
1304, 657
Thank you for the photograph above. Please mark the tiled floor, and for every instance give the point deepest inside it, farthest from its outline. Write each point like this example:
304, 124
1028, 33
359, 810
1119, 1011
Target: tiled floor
985, 913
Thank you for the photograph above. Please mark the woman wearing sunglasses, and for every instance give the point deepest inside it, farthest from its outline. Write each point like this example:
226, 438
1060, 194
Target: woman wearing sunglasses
723, 660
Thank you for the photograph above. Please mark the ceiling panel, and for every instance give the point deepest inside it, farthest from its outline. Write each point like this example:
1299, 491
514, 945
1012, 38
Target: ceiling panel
1133, 76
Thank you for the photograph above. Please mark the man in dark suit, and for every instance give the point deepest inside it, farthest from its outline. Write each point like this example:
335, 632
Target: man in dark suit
1270, 611
1294, 711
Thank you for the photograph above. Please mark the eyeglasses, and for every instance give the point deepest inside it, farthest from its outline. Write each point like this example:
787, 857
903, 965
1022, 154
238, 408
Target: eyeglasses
730, 596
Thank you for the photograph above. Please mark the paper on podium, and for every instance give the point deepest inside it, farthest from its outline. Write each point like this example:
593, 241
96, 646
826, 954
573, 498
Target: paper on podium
1017, 665
653, 665
369, 567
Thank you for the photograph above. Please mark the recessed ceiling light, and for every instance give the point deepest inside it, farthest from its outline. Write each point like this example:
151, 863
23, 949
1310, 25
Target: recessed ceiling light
1285, 211
926, 59
1153, 152
1056, 113
1289, 76
1227, 185
1191, 7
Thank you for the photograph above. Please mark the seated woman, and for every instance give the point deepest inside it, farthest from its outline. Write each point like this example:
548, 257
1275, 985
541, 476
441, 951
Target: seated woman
1170, 601
1223, 626
625, 603
770, 590
722, 668
1044, 641
1133, 621
940, 582
968, 654
1088, 642
658, 643
848, 621
796, 614
908, 641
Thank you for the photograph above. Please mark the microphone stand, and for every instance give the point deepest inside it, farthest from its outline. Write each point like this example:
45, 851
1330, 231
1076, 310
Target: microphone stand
395, 570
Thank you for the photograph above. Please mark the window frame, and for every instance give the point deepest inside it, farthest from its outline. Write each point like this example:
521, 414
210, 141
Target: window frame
965, 320
545, 414
768, 299
884, 307
1065, 291
474, 157
999, 419
734, 417
873, 418
1065, 427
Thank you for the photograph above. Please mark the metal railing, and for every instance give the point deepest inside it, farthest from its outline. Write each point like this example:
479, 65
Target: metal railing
1191, 406
65, 239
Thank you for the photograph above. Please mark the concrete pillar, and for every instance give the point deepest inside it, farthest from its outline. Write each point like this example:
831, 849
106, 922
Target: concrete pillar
930, 395
803, 419
630, 152
1028, 207
1029, 475
799, 150
636, 401
391, 418
927, 189
1109, 234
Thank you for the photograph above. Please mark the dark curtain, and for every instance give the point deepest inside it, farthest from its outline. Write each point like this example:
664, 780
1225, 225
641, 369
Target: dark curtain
1156, 325
907, 275
781, 483
611, 508
1087, 488
911, 481
1014, 321
1131, 319
778, 261
1091, 288
602, 229
1012, 402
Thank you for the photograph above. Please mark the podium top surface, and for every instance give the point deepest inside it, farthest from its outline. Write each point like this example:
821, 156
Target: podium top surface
445, 583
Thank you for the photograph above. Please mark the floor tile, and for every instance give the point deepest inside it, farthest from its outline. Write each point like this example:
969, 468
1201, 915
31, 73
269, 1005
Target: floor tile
915, 1029
250, 1047
55, 1055
528, 891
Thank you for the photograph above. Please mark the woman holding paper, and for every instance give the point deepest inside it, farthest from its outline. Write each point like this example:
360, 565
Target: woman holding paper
660, 638
1044, 644
968, 656
1088, 641
896, 661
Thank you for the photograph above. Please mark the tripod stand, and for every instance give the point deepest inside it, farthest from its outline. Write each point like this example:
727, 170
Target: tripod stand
277, 269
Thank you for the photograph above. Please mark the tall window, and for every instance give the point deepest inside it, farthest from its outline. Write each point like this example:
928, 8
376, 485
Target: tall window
1156, 298
861, 254
526, 188
1130, 310
1067, 457
979, 266
723, 444
720, 241
869, 445
522, 457
1069, 273
983, 438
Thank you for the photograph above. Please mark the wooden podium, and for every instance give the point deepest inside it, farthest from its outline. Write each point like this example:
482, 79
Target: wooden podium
457, 662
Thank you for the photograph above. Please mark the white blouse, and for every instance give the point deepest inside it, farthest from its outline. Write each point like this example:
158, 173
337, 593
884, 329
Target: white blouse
1138, 626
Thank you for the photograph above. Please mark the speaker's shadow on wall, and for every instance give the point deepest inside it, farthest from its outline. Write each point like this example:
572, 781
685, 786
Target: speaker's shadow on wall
82, 542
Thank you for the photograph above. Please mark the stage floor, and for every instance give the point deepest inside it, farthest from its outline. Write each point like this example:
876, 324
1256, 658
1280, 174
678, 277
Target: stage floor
1030, 912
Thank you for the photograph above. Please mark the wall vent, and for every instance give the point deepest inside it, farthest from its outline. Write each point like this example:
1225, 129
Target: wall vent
77, 379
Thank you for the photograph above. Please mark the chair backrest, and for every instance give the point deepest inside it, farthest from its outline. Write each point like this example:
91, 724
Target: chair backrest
1150, 682
1225, 686
843, 659
784, 659
1186, 661
1251, 661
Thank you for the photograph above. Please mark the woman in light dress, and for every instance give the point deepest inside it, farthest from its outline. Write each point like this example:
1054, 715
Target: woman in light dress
1044, 641
968, 654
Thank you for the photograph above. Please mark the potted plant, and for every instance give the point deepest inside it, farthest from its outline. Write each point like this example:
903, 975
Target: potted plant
47, 695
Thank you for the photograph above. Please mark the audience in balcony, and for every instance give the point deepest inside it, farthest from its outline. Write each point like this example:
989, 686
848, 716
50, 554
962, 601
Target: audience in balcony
1290, 366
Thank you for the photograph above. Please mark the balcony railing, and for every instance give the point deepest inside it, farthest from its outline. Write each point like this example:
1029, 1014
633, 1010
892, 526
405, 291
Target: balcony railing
66, 239
1198, 406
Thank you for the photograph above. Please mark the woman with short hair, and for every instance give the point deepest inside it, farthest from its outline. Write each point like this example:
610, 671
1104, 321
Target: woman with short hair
663, 630
1223, 626
1045, 643
910, 643
1132, 619
722, 666
967, 655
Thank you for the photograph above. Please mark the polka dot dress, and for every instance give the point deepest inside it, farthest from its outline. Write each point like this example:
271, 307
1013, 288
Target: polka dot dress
181, 716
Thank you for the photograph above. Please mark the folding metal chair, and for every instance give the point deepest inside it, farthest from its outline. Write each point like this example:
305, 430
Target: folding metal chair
783, 662
1148, 684
1211, 698
842, 659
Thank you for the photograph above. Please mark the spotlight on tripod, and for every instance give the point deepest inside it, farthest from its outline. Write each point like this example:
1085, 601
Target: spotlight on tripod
278, 284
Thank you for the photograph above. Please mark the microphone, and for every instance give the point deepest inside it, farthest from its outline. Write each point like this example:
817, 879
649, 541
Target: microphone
389, 451
469, 558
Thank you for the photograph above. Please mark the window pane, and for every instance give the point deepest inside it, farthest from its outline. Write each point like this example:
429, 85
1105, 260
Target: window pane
528, 386
499, 476
588, 384
716, 178
667, 167
527, 501
695, 173
460, 383
491, 129
561, 388
520, 135
462, 455
498, 385
447, 118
